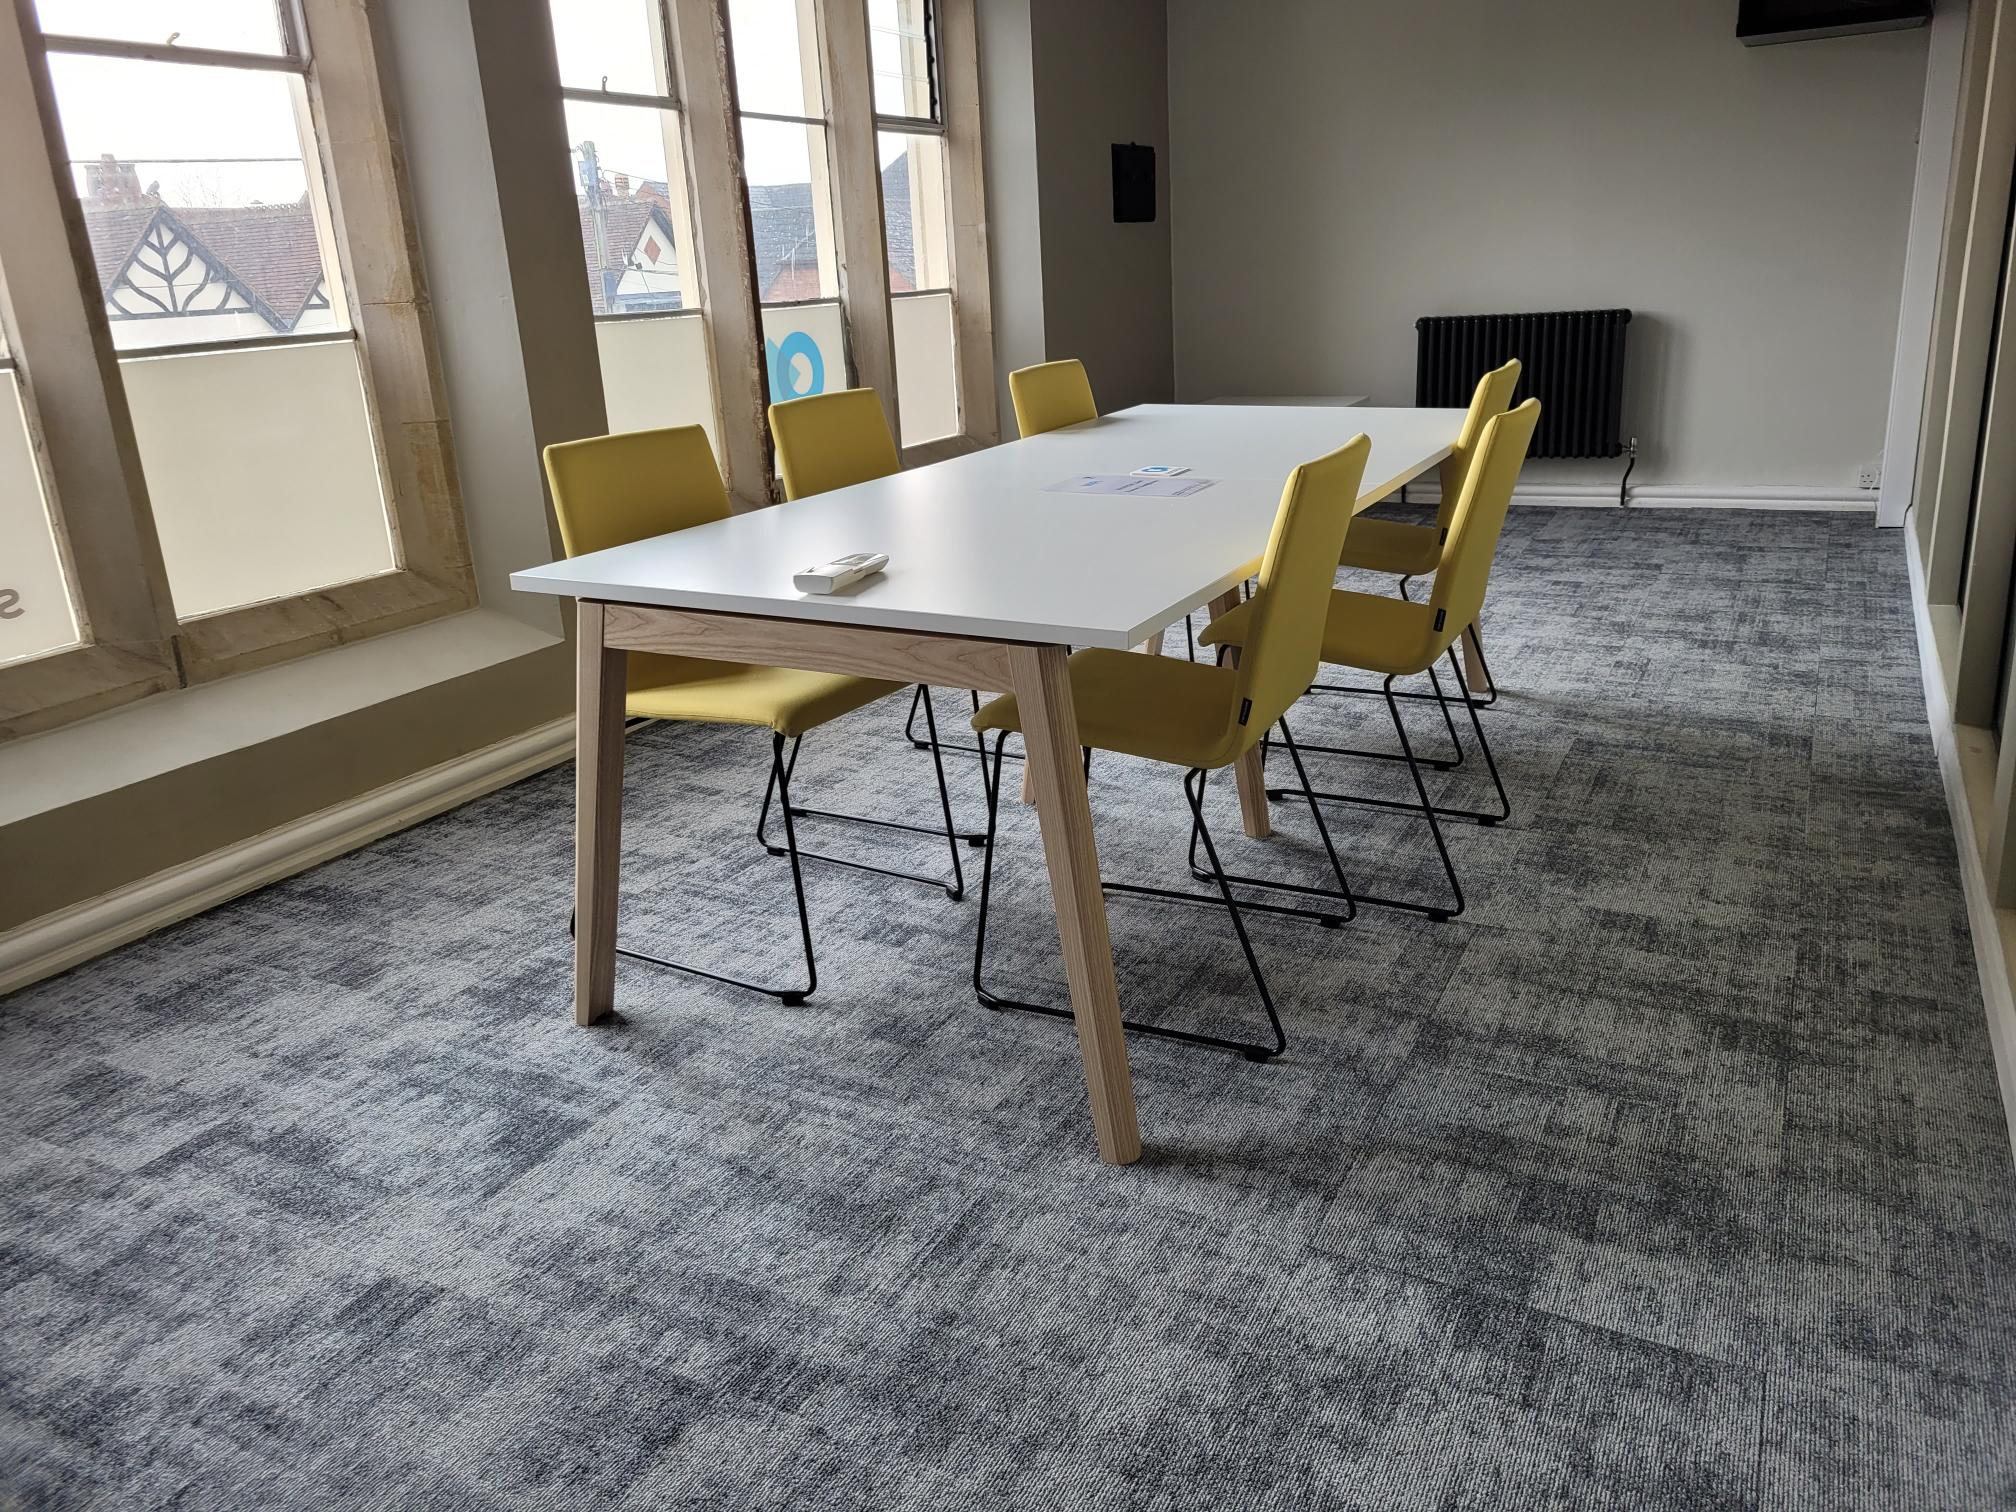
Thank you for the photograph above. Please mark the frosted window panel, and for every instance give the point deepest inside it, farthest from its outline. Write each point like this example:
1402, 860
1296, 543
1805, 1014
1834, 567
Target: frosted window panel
899, 49
36, 615
262, 469
229, 25
655, 373
790, 212
776, 57
927, 380
196, 197
916, 217
805, 349
611, 44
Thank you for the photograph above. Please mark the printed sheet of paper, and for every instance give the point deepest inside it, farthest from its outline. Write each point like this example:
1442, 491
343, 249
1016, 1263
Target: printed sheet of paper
1126, 483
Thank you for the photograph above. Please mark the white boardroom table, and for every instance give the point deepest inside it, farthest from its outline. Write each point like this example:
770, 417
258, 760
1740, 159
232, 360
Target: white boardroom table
992, 579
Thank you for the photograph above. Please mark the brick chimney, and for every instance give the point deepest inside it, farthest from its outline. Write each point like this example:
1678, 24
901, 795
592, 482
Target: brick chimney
111, 182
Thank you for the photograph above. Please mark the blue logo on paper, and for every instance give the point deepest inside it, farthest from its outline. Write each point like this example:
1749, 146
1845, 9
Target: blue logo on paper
785, 372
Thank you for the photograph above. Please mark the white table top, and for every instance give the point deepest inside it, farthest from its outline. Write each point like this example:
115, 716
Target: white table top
977, 547
1334, 401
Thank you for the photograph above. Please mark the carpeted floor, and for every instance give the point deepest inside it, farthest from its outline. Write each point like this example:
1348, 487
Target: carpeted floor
1671, 1175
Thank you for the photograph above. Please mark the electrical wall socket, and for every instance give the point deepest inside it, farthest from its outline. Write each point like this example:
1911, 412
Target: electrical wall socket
1871, 475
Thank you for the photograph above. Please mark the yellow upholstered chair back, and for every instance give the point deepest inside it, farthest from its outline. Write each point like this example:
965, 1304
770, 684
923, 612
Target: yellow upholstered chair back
831, 440
1283, 643
611, 490
1051, 395
1492, 398
1480, 516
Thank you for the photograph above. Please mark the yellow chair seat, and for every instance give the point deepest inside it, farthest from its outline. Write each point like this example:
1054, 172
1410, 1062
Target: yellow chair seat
1392, 546
1159, 707
1365, 630
710, 692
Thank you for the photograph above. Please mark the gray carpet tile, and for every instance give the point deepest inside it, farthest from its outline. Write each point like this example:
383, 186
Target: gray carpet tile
1672, 1174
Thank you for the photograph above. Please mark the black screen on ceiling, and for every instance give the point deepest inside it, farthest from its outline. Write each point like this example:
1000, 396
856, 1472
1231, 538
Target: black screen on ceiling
1763, 20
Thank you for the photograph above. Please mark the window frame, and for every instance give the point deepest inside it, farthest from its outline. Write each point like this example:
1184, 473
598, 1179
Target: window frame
74, 391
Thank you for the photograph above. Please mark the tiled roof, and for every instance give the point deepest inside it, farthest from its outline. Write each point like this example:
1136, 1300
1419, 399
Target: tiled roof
269, 249
896, 224
787, 259
626, 216
272, 249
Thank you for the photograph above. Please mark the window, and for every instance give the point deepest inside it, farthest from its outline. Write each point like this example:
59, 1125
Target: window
210, 234
627, 169
36, 612
779, 84
916, 216
265, 460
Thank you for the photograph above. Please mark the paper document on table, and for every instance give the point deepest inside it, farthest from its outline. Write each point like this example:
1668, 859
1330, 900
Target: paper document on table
1126, 483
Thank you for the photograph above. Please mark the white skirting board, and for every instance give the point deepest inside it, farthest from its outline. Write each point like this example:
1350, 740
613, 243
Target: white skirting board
1990, 961
70, 936
1675, 496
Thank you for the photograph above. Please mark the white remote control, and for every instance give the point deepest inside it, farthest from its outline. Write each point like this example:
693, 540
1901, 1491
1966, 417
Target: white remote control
841, 572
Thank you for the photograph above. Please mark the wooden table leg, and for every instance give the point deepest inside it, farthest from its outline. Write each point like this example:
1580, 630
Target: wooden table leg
1247, 770
1474, 671
1153, 645
1050, 737
598, 812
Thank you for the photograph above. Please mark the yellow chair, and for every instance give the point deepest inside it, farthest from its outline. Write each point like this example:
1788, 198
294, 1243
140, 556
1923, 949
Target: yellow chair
1203, 717
1399, 638
1411, 551
611, 490
1051, 395
830, 441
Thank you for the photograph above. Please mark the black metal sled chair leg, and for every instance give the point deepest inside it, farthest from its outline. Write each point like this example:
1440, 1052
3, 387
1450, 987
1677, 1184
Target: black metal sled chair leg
780, 778
1193, 787
1442, 810
954, 889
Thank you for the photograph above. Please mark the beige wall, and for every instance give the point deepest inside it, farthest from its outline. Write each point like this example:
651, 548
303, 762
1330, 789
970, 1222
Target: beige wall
1061, 82
1340, 169
1101, 76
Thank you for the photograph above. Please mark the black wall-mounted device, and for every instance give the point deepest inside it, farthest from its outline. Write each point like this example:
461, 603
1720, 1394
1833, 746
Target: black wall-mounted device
1762, 21
1133, 182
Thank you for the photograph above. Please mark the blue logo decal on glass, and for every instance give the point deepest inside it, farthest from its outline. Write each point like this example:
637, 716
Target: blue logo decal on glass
784, 371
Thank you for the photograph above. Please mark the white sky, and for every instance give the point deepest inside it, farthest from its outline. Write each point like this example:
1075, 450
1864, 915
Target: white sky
152, 112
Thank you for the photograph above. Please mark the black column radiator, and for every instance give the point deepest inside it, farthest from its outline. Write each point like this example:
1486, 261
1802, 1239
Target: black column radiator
1573, 363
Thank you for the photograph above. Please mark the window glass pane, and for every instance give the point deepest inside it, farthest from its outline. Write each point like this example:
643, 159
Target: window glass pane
233, 25
632, 212
776, 57
790, 211
927, 386
805, 349
915, 218
262, 471
899, 49
35, 610
197, 200
655, 373
611, 44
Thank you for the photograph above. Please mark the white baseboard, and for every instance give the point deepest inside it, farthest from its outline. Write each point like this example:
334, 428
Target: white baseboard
70, 936
1675, 496
1990, 961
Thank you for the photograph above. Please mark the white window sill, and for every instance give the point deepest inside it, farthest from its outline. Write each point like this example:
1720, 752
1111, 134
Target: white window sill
170, 730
